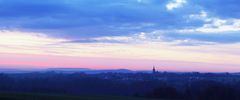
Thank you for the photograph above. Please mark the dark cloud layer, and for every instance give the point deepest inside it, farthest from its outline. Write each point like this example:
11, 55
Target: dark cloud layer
96, 18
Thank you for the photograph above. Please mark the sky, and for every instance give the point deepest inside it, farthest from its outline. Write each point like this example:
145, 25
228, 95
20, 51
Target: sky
173, 35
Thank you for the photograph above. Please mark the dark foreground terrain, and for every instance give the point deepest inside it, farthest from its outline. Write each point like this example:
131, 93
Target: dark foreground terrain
27, 96
161, 86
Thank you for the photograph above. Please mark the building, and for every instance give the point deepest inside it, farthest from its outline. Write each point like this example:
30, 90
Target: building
154, 70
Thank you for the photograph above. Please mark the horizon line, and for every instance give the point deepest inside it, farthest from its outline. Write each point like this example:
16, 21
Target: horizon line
95, 69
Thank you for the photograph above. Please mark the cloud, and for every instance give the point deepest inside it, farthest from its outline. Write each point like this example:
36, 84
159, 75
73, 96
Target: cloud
200, 16
26, 42
40, 44
214, 24
91, 18
221, 25
229, 10
110, 39
175, 4
184, 38
106, 21
203, 38
15, 38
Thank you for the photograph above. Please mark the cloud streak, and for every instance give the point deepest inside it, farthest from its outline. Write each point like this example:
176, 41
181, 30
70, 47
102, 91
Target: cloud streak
14, 42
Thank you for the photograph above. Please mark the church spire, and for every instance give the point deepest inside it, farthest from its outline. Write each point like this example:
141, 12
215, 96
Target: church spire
154, 70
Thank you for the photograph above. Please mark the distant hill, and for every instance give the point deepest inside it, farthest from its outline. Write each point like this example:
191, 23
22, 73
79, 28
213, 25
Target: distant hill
68, 70
15, 70
89, 71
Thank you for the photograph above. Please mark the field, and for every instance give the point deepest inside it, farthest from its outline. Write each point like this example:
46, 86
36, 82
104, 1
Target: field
28, 96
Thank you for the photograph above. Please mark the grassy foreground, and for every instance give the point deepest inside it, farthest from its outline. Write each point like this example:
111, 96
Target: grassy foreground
28, 96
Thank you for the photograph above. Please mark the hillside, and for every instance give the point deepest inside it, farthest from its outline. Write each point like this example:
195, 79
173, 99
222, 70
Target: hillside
28, 96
